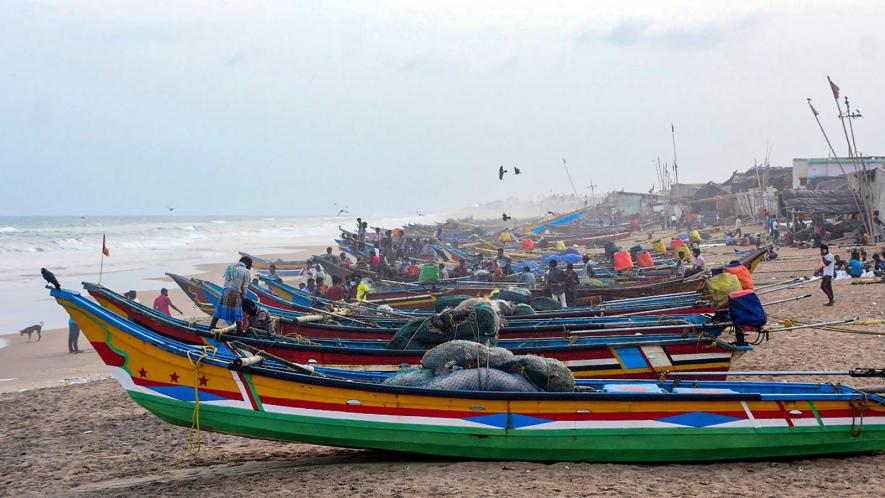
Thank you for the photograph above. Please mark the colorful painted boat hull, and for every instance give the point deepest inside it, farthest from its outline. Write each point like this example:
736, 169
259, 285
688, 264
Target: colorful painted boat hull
719, 421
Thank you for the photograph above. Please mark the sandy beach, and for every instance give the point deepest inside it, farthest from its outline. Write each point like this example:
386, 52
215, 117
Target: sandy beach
66, 429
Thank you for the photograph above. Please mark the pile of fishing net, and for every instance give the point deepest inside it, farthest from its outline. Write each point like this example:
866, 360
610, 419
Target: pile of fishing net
443, 302
475, 319
545, 304
516, 295
469, 366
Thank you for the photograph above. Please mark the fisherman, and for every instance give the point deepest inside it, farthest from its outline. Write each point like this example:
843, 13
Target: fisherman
73, 336
386, 247
336, 291
680, 265
829, 271
236, 281
571, 285
460, 270
555, 282
377, 237
162, 303
361, 234
878, 226
331, 257
527, 278
737, 226
311, 285
321, 287
258, 318
700, 266
443, 273
132, 296
302, 286
588, 266
272, 274
362, 290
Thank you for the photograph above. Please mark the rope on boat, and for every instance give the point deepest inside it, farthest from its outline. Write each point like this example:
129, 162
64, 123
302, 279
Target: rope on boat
195, 436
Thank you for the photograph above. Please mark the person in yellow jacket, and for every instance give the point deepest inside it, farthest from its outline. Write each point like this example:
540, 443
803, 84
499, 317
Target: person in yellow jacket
362, 290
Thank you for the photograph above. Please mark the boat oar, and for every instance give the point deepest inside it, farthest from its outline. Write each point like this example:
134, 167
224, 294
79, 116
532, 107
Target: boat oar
812, 325
303, 369
787, 300
854, 372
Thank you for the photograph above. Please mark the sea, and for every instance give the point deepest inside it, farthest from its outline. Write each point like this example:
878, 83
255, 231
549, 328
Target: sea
142, 249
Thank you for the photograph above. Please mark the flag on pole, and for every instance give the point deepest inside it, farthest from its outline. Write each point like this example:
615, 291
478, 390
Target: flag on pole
104, 246
834, 87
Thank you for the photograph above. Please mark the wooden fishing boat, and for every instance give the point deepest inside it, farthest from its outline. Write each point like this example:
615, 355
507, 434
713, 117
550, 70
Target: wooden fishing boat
606, 421
343, 327
283, 296
624, 354
284, 267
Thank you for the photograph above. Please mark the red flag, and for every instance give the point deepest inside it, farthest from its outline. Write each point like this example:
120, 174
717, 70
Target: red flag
104, 246
834, 88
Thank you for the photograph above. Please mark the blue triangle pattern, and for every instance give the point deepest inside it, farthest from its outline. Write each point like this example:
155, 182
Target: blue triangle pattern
698, 419
500, 420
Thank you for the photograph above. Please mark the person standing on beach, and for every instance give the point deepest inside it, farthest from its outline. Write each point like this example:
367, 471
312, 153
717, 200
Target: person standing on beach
73, 336
555, 283
829, 271
527, 278
236, 281
162, 303
571, 285
737, 227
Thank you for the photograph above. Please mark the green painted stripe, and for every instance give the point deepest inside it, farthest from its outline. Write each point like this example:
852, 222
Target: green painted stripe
605, 445
252, 390
820, 421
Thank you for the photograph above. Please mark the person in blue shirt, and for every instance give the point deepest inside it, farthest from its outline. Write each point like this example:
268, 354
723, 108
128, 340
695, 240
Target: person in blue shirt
855, 266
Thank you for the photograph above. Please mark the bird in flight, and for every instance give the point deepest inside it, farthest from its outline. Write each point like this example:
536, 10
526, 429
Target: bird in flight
419, 213
515, 170
501, 172
505, 217
170, 209
50, 277
551, 213
343, 211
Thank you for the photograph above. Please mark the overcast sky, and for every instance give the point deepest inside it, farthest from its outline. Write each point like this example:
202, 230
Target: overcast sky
283, 108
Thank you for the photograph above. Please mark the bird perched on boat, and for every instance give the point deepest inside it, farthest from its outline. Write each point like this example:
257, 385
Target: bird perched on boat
501, 172
505, 217
50, 277
515, 170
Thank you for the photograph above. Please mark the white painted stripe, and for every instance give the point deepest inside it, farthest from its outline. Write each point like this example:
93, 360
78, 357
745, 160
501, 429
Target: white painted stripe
749, 414
243, 392
699, 356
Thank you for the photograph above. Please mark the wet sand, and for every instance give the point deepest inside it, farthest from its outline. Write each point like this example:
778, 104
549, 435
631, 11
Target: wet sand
90, 439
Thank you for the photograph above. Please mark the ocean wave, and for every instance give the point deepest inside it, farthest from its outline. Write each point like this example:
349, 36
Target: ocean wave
7, 229
218, 222
188, 227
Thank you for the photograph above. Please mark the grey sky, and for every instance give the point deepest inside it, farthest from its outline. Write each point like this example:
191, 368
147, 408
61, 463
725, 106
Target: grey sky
124, 107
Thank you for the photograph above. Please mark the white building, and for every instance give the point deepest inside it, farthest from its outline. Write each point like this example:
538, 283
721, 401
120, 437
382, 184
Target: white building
806, 170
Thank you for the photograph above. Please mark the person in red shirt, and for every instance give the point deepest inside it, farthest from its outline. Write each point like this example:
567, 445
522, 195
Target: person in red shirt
162, 303
336, 291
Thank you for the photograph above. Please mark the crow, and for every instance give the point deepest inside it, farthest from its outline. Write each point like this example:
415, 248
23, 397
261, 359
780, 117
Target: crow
501, 172
49, 277
505, 217
515, 170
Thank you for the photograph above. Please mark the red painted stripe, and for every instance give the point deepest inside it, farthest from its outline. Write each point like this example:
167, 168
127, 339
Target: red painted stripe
248, 391
784, 414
